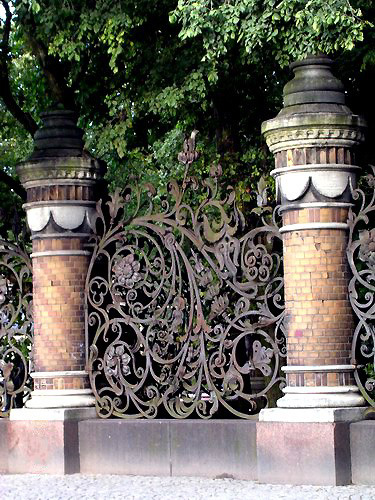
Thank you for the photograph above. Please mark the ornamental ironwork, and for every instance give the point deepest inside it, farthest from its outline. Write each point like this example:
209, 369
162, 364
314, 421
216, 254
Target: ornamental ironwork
361, 257
16, 325
184, 306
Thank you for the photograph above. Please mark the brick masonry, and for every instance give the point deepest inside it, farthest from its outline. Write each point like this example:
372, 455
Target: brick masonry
314, 155
59, 282
316, 272
60, 192
318, 312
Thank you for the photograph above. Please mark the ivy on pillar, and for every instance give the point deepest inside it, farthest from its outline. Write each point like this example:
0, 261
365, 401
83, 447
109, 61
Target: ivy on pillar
61, 184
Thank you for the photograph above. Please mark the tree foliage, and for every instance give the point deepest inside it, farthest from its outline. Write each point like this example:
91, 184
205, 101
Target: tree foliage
287, 29
140, 74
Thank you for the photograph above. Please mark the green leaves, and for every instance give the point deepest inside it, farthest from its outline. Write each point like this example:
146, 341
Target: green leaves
290, 29
143, 73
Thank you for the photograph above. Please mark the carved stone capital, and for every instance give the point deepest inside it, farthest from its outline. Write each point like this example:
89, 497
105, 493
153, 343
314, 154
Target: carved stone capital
308, 131
54, 169
314, 112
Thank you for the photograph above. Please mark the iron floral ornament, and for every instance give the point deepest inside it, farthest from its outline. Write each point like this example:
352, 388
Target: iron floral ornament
117, 361
367, 247
16, 325
126, 271
184, 306
361, 258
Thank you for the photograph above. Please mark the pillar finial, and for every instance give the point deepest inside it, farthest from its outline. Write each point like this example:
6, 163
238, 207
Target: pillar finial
59, 136
314, 88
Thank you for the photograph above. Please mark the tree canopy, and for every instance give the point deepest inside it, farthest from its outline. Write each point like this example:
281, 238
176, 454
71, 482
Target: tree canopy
141, 73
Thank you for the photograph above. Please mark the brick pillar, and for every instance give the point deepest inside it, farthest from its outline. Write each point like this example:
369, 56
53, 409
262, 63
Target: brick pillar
313, 139
61, 184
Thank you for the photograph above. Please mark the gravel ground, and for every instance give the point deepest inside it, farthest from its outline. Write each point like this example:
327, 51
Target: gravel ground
82, 487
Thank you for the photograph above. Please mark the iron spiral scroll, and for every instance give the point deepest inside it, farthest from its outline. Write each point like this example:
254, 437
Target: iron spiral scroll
16, 325
184, 308
361, 257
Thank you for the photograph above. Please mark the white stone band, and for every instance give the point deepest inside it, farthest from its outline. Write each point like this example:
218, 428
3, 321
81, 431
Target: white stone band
321, 389
50, 253
277, 145
317, 204
67, 216
314, 225
315, 166
293, 184
318, 368
60, 392
59, 182
76, 373
58, 203
60, 235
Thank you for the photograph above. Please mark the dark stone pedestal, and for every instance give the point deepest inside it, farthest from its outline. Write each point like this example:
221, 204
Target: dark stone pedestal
362, 444
215, 448
304, 453
43, 447
3, 446
320, 453
41, 441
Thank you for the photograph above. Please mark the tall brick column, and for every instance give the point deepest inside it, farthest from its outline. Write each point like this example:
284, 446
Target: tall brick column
306, 440
313, 139
61, 191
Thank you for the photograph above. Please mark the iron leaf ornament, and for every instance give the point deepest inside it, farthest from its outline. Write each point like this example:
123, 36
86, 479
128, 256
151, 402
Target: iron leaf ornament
361, 258
184, 306
16, 324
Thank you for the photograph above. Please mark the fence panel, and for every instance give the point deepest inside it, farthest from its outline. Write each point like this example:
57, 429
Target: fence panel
184, 306
361, 257
16, 325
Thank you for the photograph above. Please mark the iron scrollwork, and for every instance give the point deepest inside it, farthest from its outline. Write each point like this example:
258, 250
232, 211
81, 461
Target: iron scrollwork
184, 308
16, 325
361, 257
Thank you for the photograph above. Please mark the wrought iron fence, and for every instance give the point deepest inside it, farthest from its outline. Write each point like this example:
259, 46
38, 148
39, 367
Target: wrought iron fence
184, 306
16, 325
361, 257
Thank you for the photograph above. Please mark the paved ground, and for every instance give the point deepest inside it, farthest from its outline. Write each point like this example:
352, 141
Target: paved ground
80, 487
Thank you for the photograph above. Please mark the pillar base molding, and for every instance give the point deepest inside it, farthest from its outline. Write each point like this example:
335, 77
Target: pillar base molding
321, 397
71, 380
69, 398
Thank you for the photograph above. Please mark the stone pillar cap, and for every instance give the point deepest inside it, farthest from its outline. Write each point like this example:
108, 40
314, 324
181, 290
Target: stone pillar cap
59, 136
58, 153
314, 88
314, 111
